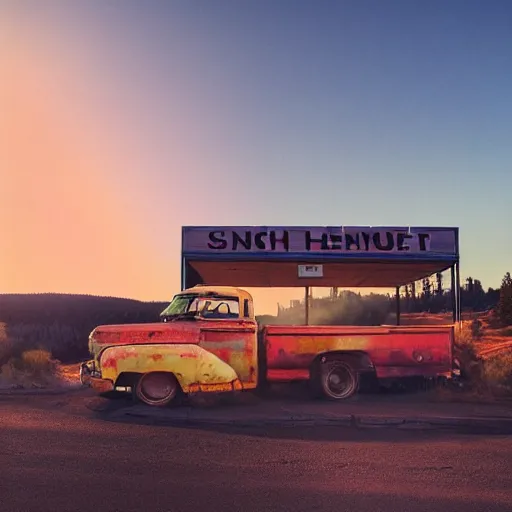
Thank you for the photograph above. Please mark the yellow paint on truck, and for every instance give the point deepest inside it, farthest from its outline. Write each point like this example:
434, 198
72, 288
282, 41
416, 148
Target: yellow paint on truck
193, 366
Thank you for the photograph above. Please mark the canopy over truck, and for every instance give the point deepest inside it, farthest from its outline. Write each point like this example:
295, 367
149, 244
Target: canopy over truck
333, 256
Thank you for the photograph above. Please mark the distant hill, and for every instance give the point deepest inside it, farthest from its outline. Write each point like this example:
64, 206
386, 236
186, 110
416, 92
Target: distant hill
51, 307
61, 323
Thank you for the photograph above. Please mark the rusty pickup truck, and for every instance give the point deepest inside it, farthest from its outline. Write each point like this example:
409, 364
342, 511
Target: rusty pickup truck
209, 341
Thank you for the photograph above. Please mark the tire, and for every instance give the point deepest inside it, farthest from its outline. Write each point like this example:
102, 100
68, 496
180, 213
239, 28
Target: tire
158, 389
337, 380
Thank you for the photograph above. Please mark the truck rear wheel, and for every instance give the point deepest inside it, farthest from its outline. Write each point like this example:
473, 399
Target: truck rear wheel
338, 380
158, 389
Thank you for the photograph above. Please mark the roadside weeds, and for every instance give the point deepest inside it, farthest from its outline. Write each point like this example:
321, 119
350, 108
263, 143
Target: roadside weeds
34, 370
484, 378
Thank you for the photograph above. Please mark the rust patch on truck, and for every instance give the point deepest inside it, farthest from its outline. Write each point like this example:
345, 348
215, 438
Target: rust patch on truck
109, 362
188, 355
237, 346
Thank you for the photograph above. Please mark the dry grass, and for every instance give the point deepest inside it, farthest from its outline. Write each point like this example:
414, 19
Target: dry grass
467, 334
465, 351
486, 379
488, 331
498, 373
426, 318
26, 368
5, 345
34, 368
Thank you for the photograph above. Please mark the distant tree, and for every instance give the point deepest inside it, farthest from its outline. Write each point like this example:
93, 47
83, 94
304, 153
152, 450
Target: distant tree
505, 302
492, 297
426, 288
477, 287
439, 282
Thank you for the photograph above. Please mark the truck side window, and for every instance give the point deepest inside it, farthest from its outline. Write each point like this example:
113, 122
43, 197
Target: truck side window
246, 308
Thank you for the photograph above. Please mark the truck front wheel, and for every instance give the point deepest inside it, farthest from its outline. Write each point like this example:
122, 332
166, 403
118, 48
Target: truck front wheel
158, 389
338, 380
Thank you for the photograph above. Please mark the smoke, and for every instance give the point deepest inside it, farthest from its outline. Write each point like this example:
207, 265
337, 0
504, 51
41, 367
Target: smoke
349, 308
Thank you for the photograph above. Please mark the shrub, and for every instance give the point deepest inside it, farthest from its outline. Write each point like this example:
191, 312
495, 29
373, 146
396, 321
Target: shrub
32, 367
5, 345
498, 371
505, 302
465, 337
490, 378
465, 352
38, 362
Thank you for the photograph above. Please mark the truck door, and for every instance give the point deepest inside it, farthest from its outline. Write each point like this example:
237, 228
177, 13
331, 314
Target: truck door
234, 341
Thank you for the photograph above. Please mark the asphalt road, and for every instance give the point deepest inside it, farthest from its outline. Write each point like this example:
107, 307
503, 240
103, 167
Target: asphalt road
58, 455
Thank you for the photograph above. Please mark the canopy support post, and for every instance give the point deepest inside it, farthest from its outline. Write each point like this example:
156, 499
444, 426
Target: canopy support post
459, 305
453, 293
397, 303
183, 262
306, 306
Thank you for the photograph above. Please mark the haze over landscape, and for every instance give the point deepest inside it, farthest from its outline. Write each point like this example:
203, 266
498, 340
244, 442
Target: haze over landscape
121, 122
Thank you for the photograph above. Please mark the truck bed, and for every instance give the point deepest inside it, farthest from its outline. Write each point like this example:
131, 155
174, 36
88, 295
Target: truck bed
395, 351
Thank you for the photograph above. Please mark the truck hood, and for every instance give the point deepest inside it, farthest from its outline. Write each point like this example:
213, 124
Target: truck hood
136, 334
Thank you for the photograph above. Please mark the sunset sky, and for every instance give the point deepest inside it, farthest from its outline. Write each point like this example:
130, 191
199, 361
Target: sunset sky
121, 121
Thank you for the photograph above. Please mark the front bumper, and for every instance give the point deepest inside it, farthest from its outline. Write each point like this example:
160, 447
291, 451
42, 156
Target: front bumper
89, 376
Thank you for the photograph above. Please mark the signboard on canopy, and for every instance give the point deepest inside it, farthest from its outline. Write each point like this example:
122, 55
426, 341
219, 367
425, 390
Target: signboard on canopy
333, 242
310, 271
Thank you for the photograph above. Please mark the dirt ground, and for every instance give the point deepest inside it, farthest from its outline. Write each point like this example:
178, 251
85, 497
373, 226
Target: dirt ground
62, 453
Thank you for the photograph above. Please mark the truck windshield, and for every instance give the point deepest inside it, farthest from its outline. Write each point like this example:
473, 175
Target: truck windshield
211, 306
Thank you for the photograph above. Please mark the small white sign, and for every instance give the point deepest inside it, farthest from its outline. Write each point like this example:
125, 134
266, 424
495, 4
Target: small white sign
311, 271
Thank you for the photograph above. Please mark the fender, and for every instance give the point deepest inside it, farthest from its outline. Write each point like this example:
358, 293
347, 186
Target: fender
192, 365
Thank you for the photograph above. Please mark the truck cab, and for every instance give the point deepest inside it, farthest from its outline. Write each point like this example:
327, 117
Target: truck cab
210, 303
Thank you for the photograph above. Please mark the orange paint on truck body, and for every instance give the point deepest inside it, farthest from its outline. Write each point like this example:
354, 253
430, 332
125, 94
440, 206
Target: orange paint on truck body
394, 351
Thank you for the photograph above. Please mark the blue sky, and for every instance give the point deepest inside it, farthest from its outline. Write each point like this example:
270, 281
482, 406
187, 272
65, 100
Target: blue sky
288, 112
